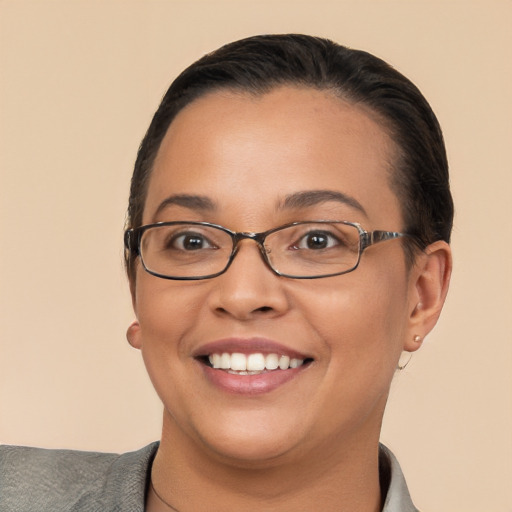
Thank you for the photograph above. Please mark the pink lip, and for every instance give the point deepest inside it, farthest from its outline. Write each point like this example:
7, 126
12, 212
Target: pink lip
246, 346
248, 384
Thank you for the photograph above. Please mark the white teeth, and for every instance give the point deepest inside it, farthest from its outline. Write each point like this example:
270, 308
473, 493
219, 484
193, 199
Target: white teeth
252, 364
271, 362
284, 362
238, 361
215, 360
225, 361
255, 362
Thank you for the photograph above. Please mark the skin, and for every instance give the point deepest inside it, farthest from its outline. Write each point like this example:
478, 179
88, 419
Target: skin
312, 443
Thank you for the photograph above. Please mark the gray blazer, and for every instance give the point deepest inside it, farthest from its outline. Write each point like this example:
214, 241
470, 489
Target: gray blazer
38, 480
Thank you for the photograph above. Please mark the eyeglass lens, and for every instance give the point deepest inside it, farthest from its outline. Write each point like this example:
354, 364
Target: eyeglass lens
302, 250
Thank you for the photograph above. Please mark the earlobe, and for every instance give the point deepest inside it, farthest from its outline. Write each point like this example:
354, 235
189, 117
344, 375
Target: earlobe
133, 335
431, 278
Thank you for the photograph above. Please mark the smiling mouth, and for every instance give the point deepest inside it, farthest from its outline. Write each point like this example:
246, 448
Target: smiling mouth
257, 363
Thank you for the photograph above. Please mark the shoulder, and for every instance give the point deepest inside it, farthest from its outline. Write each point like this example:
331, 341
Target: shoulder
35, 479
393, 483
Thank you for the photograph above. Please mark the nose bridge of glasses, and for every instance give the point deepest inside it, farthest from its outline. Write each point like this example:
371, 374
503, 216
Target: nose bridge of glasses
259, 238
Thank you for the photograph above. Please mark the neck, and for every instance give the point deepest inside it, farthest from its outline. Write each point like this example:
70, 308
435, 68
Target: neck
188, 478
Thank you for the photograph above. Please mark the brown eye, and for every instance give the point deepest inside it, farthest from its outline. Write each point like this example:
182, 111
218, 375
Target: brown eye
190, 242
317, 240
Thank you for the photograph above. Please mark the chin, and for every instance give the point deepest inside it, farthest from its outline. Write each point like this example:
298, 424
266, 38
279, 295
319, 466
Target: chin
251, 441
251, 452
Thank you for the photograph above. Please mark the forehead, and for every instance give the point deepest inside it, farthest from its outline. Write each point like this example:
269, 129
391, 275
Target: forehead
259, 149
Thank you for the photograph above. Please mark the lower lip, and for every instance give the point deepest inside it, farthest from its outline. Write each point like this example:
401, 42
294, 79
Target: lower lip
250, 384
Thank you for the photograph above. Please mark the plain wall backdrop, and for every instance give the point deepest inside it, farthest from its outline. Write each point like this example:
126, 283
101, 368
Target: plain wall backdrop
79, 82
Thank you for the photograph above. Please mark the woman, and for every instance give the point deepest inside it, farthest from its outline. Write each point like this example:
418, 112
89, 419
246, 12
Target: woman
288, 230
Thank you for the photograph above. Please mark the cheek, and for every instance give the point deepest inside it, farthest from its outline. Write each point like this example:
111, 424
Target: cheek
361, 335
165, 315
164, 308
361, 327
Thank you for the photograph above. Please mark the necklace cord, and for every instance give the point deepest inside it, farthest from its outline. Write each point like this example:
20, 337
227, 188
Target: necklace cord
161, 499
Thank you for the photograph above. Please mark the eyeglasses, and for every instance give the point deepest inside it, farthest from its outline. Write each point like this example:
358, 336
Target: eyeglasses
300, 250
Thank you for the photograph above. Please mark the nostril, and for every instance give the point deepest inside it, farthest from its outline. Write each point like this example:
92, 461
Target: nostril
264, 309
227, 311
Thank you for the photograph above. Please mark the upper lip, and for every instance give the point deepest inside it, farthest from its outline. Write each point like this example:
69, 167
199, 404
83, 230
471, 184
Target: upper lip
247, 346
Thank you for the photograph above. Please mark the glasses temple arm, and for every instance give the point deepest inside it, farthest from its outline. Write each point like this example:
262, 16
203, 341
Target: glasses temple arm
374, 237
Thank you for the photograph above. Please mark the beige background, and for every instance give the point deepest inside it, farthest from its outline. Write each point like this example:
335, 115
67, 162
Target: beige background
79, 81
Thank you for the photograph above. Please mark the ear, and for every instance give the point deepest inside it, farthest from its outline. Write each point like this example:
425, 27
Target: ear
133, 335
430, 278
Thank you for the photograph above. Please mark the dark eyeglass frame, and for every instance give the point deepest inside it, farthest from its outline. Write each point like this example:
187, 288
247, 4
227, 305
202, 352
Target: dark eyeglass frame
133, 237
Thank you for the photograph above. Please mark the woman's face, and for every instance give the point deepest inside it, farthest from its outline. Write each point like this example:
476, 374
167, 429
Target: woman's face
239, 159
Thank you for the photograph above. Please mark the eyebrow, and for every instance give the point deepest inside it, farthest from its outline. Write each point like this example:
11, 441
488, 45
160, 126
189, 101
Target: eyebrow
293, 201
192, 202
313, 197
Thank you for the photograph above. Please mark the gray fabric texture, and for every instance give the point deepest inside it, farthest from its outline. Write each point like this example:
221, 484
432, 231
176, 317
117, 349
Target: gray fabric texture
398, 498
39, 480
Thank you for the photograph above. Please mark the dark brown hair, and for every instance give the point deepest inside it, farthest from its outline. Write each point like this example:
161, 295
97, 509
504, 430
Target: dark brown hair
258, 64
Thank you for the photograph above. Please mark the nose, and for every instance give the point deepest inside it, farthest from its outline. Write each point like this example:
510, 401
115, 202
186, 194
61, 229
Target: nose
248, 289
